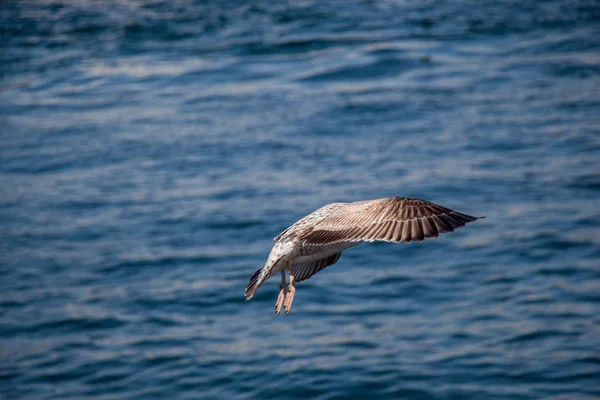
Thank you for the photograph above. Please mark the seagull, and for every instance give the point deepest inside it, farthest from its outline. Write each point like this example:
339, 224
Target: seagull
317, 240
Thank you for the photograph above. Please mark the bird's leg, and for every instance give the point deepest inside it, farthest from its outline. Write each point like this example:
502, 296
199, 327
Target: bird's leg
281, 296
289, 297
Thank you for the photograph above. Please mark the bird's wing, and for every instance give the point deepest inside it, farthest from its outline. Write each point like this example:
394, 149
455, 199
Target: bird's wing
309, 220
302, 272
394, 219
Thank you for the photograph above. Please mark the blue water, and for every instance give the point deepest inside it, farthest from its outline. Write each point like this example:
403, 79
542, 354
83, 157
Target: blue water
150, 151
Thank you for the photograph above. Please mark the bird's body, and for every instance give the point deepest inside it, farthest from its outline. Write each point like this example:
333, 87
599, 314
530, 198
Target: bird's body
317, 240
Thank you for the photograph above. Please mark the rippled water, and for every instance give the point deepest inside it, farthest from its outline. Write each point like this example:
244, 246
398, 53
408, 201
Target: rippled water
150, 151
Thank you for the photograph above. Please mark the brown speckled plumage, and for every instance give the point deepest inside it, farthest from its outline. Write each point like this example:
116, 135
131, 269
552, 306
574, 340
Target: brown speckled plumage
317, 240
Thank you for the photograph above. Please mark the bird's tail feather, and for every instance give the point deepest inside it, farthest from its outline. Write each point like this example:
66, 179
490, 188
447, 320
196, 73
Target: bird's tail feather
254, 283
265, 272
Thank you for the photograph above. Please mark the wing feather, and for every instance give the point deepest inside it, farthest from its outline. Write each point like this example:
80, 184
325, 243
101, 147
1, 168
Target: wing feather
395, 219
417, 230
304, 271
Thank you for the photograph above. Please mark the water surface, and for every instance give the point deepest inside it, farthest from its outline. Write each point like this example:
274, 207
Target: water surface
150, 151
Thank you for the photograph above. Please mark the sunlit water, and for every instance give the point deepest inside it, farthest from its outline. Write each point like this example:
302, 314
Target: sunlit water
150, 151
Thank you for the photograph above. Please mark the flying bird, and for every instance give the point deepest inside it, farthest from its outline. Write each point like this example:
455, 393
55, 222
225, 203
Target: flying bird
317, 240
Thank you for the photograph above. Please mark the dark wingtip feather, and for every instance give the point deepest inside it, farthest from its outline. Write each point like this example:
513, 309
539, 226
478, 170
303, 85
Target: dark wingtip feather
429, 228
441, 225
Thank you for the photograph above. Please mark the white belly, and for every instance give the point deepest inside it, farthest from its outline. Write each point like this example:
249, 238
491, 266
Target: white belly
314, 253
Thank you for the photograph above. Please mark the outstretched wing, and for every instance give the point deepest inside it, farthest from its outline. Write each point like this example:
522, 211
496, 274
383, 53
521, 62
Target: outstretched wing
304, 271
394, 219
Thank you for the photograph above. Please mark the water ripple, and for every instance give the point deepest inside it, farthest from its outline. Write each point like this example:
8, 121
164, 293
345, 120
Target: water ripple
151, 150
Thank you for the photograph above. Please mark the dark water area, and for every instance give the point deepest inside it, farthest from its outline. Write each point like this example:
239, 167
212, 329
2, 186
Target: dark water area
151, 150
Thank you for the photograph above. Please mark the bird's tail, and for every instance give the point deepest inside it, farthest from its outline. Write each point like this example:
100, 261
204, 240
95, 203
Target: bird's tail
261, 275
254, 283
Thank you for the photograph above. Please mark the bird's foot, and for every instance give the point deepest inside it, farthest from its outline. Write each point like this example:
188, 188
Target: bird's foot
289, 298
280, 299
